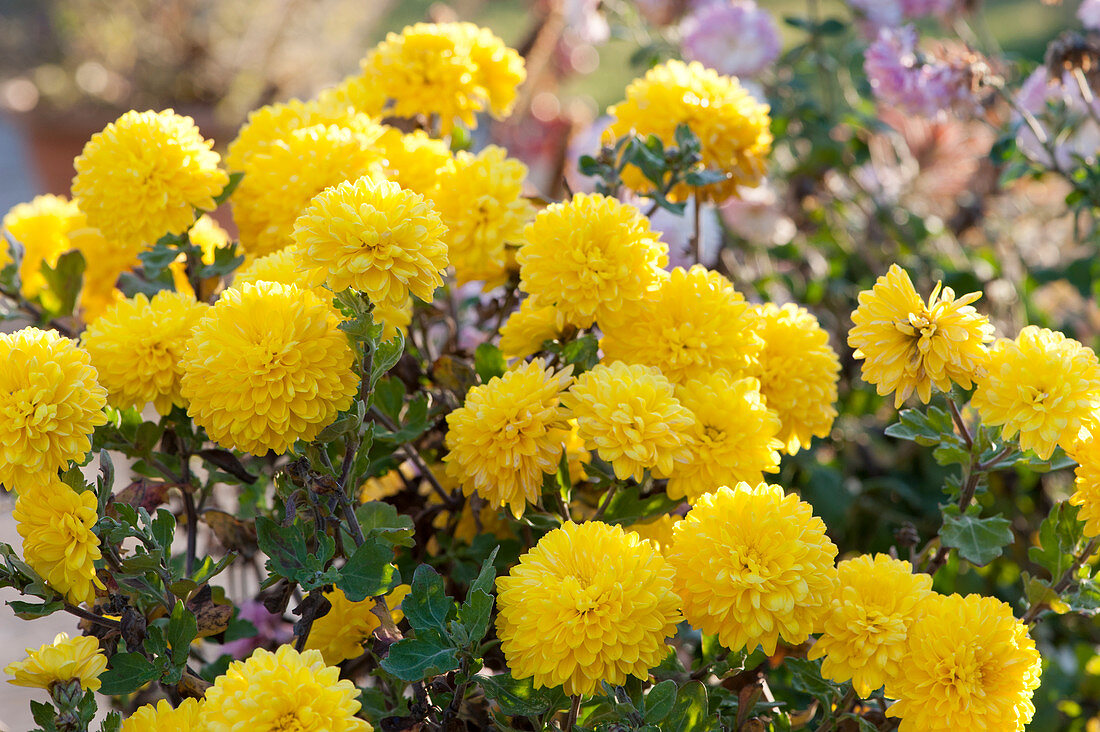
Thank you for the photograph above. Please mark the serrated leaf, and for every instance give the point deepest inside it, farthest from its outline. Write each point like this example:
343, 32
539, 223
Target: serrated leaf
126, 673
978, 540
226, 261
234, 181
369, 572
383, 520
427, 655
519, 697
112, 723
1085, 598
474, 615
1060, 535
427, 605
65, 280
288, 553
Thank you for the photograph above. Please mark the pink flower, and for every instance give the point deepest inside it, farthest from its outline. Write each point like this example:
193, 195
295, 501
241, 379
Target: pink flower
1089, 14
733, 37
877, 14
1076, 132
756, 215
901, 78
271, 630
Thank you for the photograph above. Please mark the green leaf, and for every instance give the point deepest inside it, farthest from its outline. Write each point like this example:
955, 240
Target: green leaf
65, 280
389, 396
33, 610
1060, 535
226, 261
916, 426
627, 506
659, 701
486, 577
44, 715
690, 712
156, 260
234, 181
474, 615
382, 520
289, 555
489, 362
979, 540
182, 629
112, 723
428, 654
427, 605
519, 697
386, 356
163, 528
127, 673
1085, 599
583, 353
806, 677
369, 572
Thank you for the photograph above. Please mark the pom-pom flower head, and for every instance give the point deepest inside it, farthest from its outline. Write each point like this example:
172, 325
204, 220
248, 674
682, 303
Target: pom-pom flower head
589, 603
56, 525
480, 200
694, 324
163, 718
137, 345
144, 175
416, 162
969, 664
1087, 484
589, 257
281, 179
374, 237
42, 228
909, 346
66, 659
50, 402
731, 125
798, 373
453, 70
508, 434
734, 435
284, 690
865, 629
753, 565
1043, 386
266, 366
632, 418
529, 327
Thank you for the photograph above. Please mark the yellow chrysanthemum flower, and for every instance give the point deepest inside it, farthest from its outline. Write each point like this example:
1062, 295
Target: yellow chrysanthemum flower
863, 640
284, 690
590, 257
1042, 385
285, 267
375, 237
480, 200
388, 484
657, 530
42, 227
968, 664
418, 161
509, 433
529, 327
732, 126
281, 179
1087, 484
753, 565
734, 436
266, 366
588, 603
453, 70
342, 632
798, 373
632, 418
56, 525
63, 660
144, 175
269, 125
163, 718
104, 262
909, 346
355, 92
694, 324
137, 345
50, 402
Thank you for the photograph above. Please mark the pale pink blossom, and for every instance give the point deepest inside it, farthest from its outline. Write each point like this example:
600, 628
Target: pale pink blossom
756, 215
1069, 124
903, 78
733, 37
1089, 14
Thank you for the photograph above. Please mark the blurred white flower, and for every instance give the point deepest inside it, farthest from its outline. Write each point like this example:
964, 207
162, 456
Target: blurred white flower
1089, 14
758, 217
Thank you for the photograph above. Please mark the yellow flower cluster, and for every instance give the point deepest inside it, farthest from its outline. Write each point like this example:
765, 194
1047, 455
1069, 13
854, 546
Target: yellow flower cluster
144, 175
733, 128
588, 603
448, 70
50, 401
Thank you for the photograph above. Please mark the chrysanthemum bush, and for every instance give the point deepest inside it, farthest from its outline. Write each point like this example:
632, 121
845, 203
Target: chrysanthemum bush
425, 450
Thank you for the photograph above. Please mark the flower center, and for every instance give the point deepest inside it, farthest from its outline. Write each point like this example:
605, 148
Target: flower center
289, 722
